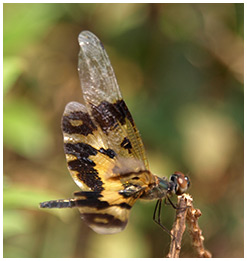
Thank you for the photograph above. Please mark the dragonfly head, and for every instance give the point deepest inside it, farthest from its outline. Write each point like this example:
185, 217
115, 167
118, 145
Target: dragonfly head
180, 182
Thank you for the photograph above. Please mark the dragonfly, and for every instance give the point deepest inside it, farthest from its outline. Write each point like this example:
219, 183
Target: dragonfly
104, 151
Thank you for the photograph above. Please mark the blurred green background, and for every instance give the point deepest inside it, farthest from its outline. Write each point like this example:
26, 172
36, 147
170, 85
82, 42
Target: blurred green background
180, 70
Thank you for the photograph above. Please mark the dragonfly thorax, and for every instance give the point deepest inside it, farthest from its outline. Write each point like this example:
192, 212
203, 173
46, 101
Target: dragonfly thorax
178, 184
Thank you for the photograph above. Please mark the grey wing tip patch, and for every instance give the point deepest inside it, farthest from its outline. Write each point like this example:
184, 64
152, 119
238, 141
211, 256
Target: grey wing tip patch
74, 106
85, 37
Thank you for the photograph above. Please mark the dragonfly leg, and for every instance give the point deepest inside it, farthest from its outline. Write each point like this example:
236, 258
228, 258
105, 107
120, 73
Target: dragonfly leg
170, 203
157, 220
175, 206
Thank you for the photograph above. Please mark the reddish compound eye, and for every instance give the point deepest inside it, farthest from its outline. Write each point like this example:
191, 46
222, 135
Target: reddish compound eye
182, 182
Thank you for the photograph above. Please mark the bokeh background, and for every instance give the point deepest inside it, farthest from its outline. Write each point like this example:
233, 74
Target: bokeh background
180, 69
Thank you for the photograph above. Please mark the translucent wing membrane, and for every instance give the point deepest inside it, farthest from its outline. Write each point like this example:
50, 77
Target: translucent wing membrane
104, 100
97, 77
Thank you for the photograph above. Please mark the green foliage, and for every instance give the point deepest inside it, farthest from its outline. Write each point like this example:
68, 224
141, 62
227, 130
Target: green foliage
25, 24
12, 69
19, 202
24, 130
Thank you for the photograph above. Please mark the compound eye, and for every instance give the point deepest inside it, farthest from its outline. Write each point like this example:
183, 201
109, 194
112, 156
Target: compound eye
183, 182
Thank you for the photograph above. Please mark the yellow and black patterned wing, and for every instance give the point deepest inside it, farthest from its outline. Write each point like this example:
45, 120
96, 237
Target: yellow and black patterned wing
104, 101
110, 183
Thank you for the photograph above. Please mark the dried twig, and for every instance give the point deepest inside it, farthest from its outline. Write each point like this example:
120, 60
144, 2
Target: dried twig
179, 227
196, 232
186, 213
